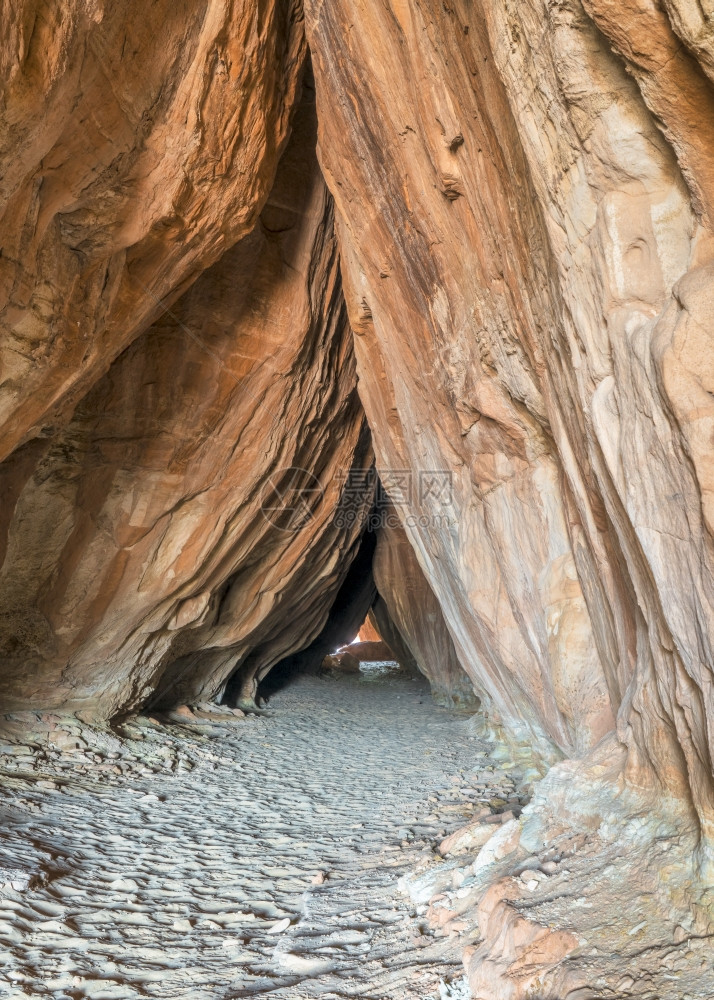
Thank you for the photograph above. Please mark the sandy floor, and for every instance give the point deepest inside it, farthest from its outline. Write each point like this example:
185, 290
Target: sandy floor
253, 857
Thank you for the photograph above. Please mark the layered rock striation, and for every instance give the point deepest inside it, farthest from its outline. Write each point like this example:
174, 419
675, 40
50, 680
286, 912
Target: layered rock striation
525, 225
448, 273
138, 144
526, 247
176, 530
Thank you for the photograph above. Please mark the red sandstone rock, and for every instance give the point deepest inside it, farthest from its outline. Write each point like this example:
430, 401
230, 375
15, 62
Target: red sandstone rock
451, 367
138, 145
145, 558
525, 195
469, 838
525, 220
523, 953
369, 652
185, 712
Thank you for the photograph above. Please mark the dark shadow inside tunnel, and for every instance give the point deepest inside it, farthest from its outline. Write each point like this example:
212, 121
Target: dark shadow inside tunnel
349, 609
385, 617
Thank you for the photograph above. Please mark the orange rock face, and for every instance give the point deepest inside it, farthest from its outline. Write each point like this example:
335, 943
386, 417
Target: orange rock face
369, 651
448, 273
146, 554
138, 144
504, 260
368, 632
524, 195
527, 263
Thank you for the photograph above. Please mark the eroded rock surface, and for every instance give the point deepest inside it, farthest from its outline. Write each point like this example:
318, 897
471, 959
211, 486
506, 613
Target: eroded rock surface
524, 253
138, 144
523, 192
448, 272
413, 610
156, 544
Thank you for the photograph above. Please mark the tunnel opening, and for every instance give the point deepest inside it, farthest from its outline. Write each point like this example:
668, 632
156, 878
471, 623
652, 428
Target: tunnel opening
227, 764
349, 609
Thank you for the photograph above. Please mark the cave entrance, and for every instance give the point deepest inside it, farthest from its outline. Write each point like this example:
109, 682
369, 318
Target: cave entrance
367, 654
351, 642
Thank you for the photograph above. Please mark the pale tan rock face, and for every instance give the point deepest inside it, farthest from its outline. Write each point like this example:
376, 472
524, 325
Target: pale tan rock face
416, 613
448, 272
137, 143
139, 563
630, 230
527, 259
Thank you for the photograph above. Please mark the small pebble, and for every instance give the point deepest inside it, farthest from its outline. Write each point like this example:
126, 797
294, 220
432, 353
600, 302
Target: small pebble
282, 925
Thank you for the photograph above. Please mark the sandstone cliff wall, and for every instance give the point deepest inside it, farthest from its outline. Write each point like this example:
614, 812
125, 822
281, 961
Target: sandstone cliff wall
504, 259
137, 144
143, 558
525, 232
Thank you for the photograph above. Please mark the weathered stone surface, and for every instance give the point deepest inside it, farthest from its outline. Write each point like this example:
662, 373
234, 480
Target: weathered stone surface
526, 263
524, 194
137, 145
415, 612
138, 561
587, 891
450, 367
629, 230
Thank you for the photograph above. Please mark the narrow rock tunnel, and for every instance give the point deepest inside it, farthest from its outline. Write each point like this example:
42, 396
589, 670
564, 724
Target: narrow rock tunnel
356, 555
